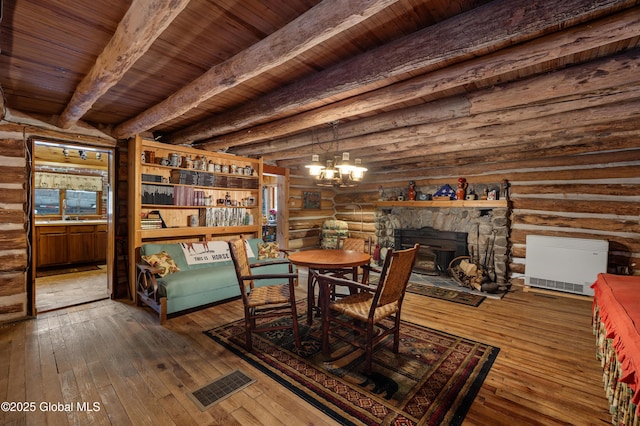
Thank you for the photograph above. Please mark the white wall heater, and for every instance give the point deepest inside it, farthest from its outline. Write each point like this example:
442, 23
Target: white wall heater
565, 264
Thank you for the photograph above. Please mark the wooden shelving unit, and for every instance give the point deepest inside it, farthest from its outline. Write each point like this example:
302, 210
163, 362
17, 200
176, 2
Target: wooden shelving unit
176, 212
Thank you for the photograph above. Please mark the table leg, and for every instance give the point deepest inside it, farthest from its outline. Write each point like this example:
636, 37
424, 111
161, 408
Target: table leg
310, 297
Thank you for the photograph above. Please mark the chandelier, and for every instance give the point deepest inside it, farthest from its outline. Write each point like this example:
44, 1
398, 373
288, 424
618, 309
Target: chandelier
337, 171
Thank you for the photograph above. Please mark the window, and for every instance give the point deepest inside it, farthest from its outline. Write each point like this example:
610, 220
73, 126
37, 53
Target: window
77, 203
47, 201
81, 202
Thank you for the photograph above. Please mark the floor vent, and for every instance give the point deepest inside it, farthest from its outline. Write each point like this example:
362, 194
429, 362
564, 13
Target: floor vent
221, 388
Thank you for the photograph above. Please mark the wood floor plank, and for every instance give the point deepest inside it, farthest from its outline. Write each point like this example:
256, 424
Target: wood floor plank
169, 375
112, 405
17, 375
118, 369
50, 380
177, 412
6, 343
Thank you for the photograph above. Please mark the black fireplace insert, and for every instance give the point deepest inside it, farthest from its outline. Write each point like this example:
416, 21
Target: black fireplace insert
443, 245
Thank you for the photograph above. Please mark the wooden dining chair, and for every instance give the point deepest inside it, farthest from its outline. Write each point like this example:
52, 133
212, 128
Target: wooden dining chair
360, 245
354, 244
363, 311
266, 301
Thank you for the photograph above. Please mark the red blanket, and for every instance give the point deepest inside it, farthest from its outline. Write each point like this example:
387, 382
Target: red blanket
618, 298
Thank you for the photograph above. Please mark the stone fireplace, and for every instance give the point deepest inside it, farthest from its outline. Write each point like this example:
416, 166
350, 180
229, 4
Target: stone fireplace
484, 232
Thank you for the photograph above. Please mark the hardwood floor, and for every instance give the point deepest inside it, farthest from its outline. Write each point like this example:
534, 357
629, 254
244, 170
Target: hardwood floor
64, 290
117, 355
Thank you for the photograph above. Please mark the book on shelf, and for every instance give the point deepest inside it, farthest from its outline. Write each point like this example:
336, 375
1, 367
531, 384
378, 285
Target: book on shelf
157, 194
155, 217
150, 223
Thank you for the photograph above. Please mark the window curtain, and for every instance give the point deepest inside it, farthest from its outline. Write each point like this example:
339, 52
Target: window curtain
62, 181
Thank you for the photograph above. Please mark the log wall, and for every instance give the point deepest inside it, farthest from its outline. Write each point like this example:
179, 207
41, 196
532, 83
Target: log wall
14, 253
592, 197
304, 223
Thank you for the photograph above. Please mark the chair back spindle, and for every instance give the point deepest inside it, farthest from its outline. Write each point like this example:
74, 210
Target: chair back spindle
242, 264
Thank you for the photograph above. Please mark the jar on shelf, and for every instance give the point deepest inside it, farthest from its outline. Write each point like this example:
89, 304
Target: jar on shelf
175, 160
461, 192
187, 162
411, 194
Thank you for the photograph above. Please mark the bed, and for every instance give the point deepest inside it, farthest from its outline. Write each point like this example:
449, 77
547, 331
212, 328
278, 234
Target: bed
616, 325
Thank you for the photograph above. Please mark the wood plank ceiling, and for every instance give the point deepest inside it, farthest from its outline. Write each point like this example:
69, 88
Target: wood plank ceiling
267, 77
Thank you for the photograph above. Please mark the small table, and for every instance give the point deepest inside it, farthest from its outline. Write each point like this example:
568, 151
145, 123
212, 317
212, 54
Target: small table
320, 259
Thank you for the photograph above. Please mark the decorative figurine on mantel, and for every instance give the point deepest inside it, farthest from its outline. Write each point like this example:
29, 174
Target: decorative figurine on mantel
461, 192
381, 194
411, 194
504, 189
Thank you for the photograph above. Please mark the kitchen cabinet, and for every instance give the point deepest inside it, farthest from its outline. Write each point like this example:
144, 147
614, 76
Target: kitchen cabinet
69, 244
52, 245
101, 241
81, 243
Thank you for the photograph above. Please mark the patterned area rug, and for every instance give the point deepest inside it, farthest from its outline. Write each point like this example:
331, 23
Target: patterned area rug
445, 294
432, 380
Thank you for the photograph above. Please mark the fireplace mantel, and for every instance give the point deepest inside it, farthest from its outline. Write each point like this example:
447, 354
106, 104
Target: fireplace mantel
444, 203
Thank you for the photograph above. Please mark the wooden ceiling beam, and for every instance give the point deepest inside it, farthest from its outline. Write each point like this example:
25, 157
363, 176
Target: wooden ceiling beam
432, 150
454, 114
535, 151
548, 154
563, 91
492, 137
140, 27
596, 121
511, 116
440, 110
619, 27
393, 152
496, 171
325, 20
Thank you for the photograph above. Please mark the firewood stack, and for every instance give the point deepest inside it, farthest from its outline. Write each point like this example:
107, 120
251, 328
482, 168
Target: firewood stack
467, 273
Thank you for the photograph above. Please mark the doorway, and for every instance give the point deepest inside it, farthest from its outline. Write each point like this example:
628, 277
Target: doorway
71, 229
275, 212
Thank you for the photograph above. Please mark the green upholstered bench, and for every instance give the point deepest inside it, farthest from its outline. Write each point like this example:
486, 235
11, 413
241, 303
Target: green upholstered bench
205, 275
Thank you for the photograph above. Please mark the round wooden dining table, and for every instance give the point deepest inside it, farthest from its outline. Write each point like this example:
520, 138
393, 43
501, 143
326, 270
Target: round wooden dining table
325, 260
